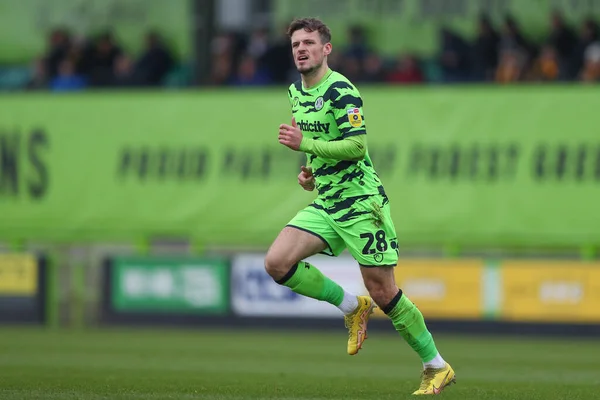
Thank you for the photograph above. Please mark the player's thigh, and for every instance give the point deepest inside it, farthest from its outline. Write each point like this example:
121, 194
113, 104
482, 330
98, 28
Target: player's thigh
375, 249
374, 245
372, 241
307, 234
291, 246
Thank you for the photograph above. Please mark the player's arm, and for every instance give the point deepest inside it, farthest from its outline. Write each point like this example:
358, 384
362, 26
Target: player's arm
352, 145
352, 148
347, 110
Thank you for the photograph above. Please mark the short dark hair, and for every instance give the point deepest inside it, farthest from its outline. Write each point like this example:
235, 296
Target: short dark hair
310, 25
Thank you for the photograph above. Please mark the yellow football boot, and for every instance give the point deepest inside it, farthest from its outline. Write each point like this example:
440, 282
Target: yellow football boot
357, 323
434, 380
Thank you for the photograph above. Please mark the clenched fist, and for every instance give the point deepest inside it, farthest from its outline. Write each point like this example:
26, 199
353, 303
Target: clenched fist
306, 178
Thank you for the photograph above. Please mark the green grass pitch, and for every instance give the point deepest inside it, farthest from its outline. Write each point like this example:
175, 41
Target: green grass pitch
218, 364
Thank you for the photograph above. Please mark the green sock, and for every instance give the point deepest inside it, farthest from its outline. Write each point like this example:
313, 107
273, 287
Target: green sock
308, 281
409, 322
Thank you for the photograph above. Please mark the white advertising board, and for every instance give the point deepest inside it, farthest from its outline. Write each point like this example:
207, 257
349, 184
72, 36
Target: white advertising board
254, 293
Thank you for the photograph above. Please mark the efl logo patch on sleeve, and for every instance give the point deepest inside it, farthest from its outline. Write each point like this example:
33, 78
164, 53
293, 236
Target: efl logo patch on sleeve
354, 117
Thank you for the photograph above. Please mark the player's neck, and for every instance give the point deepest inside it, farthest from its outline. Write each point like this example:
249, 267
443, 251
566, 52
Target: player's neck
311, 79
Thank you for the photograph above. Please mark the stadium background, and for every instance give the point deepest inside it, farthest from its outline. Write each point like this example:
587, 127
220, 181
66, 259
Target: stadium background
141, 181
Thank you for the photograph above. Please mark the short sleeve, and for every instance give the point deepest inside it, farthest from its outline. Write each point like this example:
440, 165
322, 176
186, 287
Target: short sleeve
347, 109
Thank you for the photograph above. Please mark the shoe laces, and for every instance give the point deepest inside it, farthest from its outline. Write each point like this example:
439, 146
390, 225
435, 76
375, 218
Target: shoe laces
348, 321
426, 377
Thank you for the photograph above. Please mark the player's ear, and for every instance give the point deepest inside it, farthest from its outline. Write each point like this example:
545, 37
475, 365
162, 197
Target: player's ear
327, 49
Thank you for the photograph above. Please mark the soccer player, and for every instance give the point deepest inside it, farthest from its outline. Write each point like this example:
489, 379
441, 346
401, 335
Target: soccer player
351, 209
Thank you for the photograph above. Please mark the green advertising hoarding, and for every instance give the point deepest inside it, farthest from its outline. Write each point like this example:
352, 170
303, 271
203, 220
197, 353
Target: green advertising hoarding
395, 26
26, 24
169, 284
502, 166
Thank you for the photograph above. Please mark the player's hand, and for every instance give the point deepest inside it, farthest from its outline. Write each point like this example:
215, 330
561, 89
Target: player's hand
290, 135
306, 178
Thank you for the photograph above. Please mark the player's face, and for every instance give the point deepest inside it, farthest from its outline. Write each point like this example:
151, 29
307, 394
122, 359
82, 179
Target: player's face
308, 50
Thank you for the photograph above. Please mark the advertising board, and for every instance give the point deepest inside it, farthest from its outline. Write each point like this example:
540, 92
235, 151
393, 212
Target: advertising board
550, 291
170, 285
254, 293
22, 281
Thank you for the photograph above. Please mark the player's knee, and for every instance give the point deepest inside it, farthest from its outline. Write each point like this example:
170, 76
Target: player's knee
381, 292
378, 295
276, 265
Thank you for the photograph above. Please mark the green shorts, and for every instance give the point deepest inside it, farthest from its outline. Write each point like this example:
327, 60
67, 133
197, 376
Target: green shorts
365, 229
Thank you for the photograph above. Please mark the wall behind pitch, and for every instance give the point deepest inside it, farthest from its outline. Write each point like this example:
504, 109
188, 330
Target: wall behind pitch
471, 295
481, 166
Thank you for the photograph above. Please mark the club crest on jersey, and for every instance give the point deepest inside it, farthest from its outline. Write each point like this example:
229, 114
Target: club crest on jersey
354, 117
296, 102
319, 103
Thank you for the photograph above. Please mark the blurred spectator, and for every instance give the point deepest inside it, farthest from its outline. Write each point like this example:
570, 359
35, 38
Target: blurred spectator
67, 79
75, 62
351, 68
591, 65
221, 70
589, 35
547, 67
485, 50
512, 39
81, 52
357, 47
222, 53
278, 59
124, 72
258, 43
249, 73
563, 40
59, 44
104, 56
373, 71
407, 71
511, 65
335, 60
155, 62
454, 57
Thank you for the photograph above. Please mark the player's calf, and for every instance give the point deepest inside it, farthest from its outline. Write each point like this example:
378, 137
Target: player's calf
305, 279
284, 264
405, 316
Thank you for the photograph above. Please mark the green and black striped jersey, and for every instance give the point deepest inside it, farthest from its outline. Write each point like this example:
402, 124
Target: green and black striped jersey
333, 110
